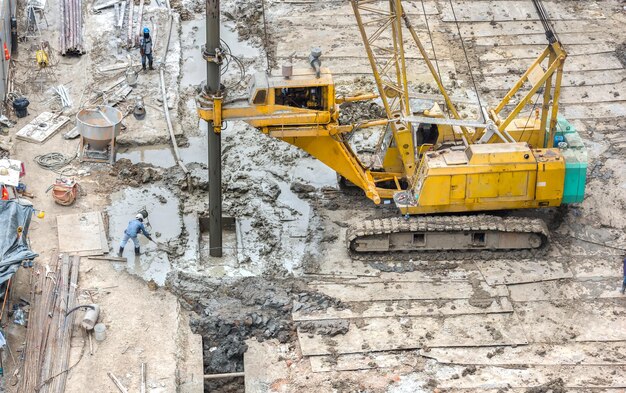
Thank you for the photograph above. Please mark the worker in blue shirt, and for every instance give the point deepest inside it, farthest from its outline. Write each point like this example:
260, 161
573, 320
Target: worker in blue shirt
624, 282
134, 227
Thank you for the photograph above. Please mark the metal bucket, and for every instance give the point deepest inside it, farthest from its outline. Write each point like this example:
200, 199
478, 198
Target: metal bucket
98, 126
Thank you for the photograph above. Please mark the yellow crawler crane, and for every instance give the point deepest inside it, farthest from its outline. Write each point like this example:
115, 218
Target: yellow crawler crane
428, 163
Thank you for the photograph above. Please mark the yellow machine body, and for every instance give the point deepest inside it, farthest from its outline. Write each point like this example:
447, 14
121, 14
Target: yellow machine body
427, 162
490, 176
486, 177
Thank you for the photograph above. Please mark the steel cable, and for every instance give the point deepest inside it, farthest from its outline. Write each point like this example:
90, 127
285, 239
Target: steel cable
54, 161
458, 28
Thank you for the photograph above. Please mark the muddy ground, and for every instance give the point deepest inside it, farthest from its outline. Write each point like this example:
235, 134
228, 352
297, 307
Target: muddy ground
287, 304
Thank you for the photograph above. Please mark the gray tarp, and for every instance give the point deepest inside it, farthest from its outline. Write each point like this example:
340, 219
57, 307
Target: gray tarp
13, 246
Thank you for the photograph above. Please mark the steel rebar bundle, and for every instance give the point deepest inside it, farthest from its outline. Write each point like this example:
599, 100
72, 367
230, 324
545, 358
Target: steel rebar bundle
46, 359
71, 27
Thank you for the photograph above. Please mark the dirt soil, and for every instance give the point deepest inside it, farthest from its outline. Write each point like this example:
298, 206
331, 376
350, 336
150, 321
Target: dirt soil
287, 304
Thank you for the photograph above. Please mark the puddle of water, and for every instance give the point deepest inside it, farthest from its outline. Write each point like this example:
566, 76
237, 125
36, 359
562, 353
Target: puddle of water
163, 156
157, 155
194, 66
164, 220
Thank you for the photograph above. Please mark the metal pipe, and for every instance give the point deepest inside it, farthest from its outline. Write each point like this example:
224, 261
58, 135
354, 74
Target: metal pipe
130, 24
226, 375
212, 88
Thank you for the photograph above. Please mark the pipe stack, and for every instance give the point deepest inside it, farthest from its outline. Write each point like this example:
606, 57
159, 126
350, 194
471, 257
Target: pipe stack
71, 27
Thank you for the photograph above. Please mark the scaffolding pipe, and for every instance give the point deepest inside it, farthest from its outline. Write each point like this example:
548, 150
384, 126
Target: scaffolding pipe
212, 89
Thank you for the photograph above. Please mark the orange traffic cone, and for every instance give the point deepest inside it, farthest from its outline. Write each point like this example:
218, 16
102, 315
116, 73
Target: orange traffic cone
7, 55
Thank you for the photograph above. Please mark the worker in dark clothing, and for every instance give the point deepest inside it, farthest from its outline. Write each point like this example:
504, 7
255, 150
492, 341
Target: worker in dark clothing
134, 227
145, 47
624, 282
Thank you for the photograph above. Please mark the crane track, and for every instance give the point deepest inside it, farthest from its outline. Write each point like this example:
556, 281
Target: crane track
368, 233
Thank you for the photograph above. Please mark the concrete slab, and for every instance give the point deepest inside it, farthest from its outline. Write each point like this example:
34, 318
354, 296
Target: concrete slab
81, 233
263, 368
42, 127
406, 308
521, 271
571, 353
474, 11
388, 334
562, 290
573, 320
410, 290
363, 361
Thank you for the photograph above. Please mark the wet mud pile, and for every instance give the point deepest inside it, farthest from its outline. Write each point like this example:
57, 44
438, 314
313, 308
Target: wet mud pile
357, 112
134, 175
230, 311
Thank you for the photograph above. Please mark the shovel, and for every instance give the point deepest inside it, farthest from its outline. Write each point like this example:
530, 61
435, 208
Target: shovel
162, 247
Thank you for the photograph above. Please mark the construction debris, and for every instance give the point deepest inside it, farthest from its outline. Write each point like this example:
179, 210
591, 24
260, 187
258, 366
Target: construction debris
63, 95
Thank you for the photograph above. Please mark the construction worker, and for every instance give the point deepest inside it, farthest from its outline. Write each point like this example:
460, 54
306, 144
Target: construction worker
145, 47
134, 227
624, 282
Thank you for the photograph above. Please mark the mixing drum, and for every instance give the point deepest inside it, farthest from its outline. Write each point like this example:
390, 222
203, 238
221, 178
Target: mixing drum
98, 128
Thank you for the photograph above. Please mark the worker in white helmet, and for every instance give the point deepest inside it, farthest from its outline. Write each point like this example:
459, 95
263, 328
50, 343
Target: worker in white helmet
134, 227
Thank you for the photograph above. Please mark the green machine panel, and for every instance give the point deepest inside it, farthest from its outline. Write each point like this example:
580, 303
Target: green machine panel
575, 154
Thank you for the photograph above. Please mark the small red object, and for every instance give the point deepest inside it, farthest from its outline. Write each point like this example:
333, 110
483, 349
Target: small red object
5, 194
7, 55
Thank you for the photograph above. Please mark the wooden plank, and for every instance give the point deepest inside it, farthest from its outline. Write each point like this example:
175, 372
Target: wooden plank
406, 308
573, 320
104, 241
42, 127
500, 271
564, 290
388, 334
108, 258
573, 353
79, 232
410, 291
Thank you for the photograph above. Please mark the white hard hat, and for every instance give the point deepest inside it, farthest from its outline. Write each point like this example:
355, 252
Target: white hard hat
139, 216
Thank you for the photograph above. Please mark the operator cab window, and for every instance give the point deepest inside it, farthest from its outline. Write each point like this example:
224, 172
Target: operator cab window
260, 96
301, 97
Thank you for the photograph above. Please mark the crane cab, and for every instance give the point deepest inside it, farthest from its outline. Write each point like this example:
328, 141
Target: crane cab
301, 99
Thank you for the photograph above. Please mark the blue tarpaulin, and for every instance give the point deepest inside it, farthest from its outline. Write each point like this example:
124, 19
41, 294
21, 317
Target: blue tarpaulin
14, 223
